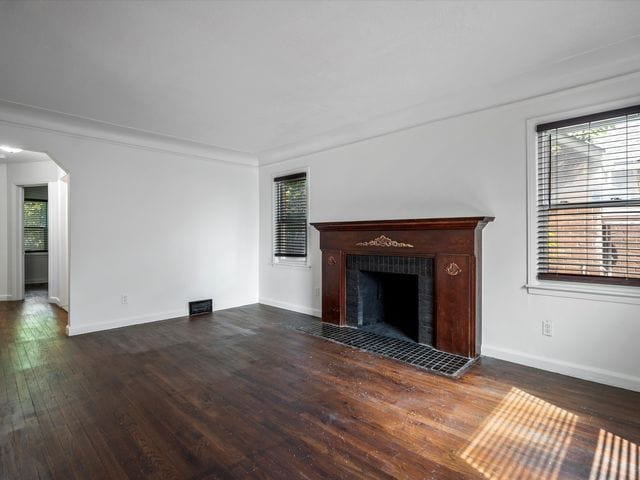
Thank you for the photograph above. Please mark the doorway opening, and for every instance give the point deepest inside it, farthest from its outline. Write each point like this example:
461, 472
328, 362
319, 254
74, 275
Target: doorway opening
35, 239
35, 217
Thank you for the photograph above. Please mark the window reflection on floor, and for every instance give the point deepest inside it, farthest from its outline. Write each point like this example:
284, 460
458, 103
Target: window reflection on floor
525, 437
616, 458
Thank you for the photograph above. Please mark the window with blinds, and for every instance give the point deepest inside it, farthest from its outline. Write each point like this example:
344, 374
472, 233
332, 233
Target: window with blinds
588, 207
290, 216
36, 235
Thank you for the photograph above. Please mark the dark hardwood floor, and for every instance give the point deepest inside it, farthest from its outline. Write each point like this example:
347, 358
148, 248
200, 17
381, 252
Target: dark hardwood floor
240, 395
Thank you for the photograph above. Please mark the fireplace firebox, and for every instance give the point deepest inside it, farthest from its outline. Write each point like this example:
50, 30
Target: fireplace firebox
370, 270
391, 295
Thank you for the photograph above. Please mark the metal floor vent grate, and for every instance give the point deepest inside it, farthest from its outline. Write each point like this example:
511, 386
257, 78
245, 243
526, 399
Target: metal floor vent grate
200, 307
416, 354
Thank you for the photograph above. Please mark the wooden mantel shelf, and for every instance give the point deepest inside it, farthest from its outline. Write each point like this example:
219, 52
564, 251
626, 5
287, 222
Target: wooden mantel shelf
452, 223
455, 244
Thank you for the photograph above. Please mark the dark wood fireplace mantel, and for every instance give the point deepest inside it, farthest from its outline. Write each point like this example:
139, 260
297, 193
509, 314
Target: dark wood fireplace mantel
455, 244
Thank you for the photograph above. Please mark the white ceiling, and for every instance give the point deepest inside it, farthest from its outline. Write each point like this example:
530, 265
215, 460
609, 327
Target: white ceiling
257, 77
24, 156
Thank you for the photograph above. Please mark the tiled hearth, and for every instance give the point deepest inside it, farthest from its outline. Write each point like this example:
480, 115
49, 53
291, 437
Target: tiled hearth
416, 354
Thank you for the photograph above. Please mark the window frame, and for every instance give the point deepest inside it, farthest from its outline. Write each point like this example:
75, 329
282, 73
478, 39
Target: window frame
290, 261
565, 288
46, 228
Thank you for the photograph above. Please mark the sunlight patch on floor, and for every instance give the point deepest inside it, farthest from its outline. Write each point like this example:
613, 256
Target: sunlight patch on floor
525, 437
616, 458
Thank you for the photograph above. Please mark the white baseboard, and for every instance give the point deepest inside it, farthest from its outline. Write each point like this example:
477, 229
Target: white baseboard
217, 306
316, 312
56, 301
124, 322
6, 298
154, 317
36, 281
584, 372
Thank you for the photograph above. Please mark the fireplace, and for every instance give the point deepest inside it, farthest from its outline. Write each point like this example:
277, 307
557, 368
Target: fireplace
414, 279
391, 295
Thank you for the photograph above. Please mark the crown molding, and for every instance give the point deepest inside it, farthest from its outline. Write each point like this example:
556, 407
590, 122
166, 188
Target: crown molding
609, 63
70, 125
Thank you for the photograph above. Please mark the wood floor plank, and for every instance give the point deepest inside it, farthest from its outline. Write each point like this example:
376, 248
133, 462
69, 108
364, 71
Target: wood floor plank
242, 394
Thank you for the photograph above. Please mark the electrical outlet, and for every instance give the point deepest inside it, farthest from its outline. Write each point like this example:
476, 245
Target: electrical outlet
547, 328
316, 291
124, 299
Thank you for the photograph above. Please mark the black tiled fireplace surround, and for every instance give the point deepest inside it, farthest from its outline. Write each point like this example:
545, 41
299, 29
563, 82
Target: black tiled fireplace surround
421, 267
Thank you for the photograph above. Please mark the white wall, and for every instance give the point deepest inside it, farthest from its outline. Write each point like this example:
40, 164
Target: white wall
36, 267
466, 166
162, 228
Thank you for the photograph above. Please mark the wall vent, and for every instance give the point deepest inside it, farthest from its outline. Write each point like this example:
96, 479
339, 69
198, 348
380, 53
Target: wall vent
200, 307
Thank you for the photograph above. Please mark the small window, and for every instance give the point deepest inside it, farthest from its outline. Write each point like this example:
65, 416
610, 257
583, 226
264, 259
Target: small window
290, 217
588, 179
36, 235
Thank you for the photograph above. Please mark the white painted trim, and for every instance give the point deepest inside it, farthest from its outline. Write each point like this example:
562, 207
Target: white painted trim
125, 322
6, 298
70, 125
273, 261
140, 319
600, 293
316, 312
584, 372
56, 301
225, 306
285, 264
586, 291
16, 251
588, 69
67, 179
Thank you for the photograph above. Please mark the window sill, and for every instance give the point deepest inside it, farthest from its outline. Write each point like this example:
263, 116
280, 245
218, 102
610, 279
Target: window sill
602, 293
291, 263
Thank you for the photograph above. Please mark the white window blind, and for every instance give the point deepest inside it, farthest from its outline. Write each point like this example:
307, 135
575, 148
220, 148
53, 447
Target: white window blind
589, 198
290, 216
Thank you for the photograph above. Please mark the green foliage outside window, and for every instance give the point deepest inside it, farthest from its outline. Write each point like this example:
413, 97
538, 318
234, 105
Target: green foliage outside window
35, 226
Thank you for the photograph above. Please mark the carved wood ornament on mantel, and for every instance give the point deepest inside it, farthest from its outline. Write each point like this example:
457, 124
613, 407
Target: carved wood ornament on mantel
383, 241
455, 244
